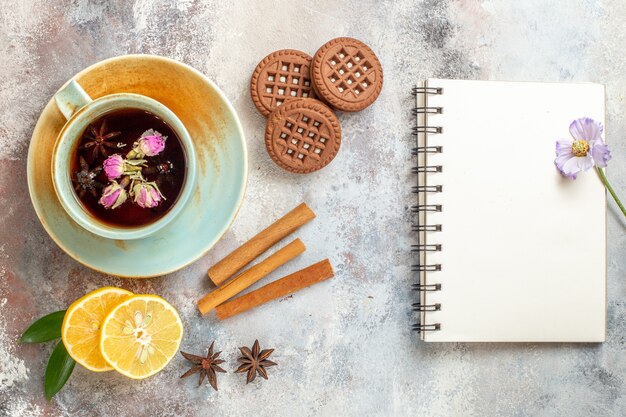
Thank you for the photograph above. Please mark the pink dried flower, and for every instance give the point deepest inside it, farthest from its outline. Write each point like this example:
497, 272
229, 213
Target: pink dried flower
151, 143
113, 196
146, 194
113, 166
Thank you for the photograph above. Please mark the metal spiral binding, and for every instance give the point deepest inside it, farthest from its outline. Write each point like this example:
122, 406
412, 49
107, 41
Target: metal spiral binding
427, 188
427, 287
427, 248
426, 207
426, 228
427, 149
426, 90
427, 110
421, 169
426, 268
426, 307
427, 129
427, 168
426, 327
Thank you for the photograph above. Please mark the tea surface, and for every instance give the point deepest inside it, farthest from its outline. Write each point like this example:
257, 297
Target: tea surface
167, 169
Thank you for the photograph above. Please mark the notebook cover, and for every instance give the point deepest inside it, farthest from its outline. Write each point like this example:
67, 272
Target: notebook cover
523, 249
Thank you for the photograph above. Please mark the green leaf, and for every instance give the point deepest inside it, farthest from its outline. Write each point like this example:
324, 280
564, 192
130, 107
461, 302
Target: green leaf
58, 371
45, 329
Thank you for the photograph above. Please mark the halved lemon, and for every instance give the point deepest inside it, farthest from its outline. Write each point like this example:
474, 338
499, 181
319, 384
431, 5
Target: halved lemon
141, 335
82, 323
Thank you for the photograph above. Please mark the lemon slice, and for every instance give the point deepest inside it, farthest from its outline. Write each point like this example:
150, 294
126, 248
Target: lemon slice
141, 335
82, 322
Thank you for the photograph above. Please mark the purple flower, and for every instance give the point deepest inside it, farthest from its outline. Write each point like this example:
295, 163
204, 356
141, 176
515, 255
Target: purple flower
113, 166
146, 194
583, 150
151, 143
113, 196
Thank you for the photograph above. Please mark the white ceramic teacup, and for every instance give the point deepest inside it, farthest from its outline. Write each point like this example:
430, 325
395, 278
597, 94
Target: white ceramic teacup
80, 111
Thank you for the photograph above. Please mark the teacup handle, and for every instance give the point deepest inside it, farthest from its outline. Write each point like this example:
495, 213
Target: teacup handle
71, 98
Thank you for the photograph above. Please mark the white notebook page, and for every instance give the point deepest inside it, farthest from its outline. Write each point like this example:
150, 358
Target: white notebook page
523, 249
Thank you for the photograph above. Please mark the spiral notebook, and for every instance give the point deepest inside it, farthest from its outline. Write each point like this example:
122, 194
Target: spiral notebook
506, 249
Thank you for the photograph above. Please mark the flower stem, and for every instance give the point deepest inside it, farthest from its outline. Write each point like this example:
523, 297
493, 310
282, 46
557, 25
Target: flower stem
608, 187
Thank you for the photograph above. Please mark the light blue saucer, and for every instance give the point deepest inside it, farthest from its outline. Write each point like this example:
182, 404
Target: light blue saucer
222, 169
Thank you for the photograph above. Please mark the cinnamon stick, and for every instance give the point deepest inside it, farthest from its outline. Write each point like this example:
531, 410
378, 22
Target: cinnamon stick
250, 276
291, 283
265, 239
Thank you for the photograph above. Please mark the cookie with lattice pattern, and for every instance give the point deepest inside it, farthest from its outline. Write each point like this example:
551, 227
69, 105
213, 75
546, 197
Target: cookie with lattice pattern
281, 76
302, 135
347, 74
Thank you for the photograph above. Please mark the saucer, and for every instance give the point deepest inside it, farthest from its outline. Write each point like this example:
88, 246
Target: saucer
222, 168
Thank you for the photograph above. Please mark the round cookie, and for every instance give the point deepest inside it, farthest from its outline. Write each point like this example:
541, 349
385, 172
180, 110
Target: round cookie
302, 135
347, 74
282, 75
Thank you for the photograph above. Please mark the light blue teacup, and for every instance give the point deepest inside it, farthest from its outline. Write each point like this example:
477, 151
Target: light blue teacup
80, 111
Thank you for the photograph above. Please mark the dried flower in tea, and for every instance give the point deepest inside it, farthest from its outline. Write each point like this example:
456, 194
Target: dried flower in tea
146, 194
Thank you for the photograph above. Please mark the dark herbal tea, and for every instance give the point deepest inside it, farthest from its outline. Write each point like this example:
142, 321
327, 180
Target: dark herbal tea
116, 133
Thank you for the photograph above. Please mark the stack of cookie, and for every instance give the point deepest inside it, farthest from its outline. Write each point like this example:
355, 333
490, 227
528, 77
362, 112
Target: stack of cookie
297, 93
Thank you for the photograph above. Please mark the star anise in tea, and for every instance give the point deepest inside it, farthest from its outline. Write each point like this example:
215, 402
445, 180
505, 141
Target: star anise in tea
85, 180
207, 366
99, 140
254, 361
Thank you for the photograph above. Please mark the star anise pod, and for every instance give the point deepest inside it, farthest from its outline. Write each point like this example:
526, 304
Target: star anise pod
254, 361
85, 179
207, 366
99, 140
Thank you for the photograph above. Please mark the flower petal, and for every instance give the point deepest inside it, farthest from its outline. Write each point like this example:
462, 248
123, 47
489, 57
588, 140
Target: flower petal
575, 165
586, 129
561, 160
563, 153
600, 153
585, 163
564, 147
